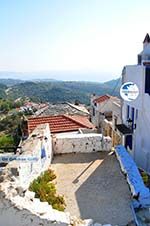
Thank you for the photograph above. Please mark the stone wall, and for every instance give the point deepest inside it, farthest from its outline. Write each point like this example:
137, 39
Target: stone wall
68, 143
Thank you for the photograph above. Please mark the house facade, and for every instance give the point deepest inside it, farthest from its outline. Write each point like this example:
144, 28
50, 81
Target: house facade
135, 127
105, 114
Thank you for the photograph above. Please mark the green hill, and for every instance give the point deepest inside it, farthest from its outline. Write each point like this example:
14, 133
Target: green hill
56, 92
10, 81
2, 91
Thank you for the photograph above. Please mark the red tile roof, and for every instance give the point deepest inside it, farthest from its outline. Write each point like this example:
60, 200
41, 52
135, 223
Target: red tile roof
59, 123
102, 98
83, 120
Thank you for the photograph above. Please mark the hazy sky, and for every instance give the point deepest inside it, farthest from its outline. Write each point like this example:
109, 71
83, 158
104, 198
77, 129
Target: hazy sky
95, 36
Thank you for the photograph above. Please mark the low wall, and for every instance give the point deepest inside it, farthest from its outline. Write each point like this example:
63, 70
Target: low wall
68, 143
38, 143
18, 205
21, 211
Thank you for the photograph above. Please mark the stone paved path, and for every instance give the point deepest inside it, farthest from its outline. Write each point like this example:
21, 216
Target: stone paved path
94, 187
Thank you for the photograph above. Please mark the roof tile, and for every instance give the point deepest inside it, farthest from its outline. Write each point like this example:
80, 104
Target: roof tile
60, 123
102, 98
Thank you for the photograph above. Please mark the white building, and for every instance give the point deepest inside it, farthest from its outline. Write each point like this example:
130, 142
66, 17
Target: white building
135, 125
103, 107
105, 114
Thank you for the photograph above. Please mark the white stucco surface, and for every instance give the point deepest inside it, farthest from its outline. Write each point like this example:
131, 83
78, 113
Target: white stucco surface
74, 143
141, 144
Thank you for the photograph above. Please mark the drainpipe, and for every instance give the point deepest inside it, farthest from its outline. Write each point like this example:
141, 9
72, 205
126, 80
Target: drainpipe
122, 136
134, 214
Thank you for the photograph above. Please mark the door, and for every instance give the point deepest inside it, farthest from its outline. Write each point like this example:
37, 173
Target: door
128, 142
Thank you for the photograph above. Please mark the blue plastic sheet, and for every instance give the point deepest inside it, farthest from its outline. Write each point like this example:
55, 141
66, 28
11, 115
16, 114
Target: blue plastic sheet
133, 176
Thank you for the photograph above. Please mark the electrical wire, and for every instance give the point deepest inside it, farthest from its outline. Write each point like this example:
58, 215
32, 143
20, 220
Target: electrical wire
112, 93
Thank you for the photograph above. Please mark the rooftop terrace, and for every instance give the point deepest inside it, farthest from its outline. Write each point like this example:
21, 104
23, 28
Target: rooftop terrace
94, 187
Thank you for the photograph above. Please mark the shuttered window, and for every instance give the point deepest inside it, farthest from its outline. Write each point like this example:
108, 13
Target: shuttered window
128, 111
147, 80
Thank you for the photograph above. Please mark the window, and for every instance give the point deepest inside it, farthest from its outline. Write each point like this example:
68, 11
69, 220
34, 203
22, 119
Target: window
93, 111
132, 118
139, 59
136, 115
147, 80
128, 111
115, 122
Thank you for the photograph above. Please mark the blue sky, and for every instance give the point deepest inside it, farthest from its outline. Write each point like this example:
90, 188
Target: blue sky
93, 39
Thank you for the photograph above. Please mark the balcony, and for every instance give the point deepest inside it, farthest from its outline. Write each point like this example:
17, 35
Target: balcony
124, 130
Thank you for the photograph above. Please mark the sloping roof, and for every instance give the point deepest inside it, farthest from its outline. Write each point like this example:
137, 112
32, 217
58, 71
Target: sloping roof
65, 108
117, 101
107, 97
79, 108
102, 98
58, 123
147, 38
83, 120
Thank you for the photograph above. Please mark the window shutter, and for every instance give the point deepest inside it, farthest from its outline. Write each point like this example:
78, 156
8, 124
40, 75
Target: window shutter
147, 80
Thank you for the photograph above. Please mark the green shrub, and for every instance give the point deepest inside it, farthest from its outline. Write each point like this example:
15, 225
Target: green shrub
6, 140
48, 175
45, 190
144, 177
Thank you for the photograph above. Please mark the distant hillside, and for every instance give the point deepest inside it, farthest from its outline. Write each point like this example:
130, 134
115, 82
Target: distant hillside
2, 91
56, 92
113, 83
45, 80
10, 82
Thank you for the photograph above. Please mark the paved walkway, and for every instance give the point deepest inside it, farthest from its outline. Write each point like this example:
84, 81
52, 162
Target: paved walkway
93, 187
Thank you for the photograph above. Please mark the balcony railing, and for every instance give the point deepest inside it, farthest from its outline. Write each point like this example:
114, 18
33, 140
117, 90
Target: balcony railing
124, 129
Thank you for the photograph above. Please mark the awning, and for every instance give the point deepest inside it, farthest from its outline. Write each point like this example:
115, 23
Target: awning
124, 129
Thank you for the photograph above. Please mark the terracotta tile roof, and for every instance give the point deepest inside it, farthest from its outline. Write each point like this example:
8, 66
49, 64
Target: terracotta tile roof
83, 120
58, 124
102, 98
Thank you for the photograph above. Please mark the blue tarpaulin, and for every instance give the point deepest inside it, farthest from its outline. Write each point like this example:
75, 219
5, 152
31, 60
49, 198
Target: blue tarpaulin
129, 168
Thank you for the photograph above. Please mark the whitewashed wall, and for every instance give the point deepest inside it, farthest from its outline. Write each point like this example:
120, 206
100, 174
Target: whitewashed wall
40, 138
74, 143
21, 211
116, 113
141, 144
18, 206
105, 106
100, 107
